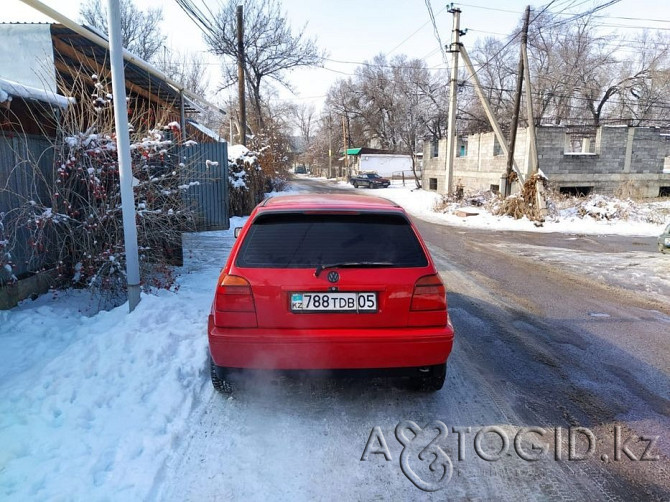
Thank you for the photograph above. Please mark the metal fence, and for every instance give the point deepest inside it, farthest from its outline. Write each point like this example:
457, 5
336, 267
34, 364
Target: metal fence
207, 165
26, 169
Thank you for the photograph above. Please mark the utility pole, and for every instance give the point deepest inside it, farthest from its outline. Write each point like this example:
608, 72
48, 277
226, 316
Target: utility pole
345, 144
453, 90
123, 149
330, 144
532, 151
487, 107
517, 106
240, 75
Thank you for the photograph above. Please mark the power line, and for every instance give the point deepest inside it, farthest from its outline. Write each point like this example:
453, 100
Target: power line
435, 30
415, 32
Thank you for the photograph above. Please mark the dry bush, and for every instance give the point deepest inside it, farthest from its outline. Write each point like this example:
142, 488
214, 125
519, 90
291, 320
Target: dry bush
628, 190
262, 168
71, 217
529, 203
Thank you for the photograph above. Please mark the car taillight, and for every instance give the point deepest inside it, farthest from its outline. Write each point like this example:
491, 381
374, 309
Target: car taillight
234, 294
429, 294
234, 303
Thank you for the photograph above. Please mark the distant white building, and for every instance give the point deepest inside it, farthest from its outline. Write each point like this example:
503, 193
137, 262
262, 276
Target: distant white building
382, 162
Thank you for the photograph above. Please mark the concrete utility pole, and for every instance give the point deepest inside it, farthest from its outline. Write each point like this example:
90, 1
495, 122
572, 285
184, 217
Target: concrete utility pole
453, 90
123, 148
240, 75
517, 106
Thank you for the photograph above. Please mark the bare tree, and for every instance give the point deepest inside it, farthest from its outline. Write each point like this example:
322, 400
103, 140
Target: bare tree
303, 118
140, 30
391, 104
186, 68
271, 46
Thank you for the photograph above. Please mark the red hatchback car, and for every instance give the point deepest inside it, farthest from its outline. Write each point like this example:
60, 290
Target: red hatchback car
330, 282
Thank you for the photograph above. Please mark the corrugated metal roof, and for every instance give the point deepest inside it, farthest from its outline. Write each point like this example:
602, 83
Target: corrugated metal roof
205, 130
133, 73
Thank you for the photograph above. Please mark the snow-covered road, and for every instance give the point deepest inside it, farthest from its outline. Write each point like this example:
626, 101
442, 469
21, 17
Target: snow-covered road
118, 406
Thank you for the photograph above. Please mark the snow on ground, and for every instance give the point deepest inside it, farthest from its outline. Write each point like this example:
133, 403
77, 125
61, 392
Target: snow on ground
634, 270
422, 203
638, 271
92, 406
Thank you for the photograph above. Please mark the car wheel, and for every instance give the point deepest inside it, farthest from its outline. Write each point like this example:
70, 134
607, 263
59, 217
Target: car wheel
370, 185
221, 385
433, 380
355, 185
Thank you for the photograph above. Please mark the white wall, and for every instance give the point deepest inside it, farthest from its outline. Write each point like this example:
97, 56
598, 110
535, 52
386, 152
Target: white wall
385, 165
26, 55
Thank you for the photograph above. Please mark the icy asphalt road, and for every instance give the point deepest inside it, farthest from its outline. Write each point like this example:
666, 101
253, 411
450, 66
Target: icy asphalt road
538, 345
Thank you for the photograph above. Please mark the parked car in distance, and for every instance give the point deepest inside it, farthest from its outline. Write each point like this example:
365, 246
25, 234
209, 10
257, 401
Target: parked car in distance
330, 282
370, 180
664, 240
300, 170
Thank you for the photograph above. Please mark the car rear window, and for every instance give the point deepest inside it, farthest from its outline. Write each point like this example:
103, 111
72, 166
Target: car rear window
299, 240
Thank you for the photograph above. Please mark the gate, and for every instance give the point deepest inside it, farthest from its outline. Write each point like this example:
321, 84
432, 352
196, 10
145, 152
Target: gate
207, 165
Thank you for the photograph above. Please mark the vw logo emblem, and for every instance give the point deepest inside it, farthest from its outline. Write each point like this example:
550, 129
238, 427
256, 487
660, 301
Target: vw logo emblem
333, 276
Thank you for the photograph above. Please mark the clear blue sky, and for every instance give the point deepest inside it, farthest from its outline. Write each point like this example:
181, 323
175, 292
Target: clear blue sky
357, 30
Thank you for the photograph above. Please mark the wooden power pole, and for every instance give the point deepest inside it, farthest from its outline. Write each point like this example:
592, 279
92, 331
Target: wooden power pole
240, 75
330, 145
517, 107
345, 144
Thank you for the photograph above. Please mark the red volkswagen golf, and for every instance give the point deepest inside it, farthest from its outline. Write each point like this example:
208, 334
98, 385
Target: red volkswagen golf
337, 282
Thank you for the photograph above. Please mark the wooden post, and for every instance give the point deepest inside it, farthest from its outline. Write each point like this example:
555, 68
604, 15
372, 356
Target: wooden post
487, 108
344, 142
517, 105
240, 75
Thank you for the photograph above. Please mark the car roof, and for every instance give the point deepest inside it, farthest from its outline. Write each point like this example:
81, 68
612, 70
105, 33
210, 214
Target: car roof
317, 201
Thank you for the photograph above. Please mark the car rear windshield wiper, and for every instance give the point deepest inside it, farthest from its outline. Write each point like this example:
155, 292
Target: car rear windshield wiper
352, 264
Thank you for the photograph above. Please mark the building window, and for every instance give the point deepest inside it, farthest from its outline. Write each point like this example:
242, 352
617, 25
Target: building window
434, 148
432, 183
581, 141
497, 149
462, 149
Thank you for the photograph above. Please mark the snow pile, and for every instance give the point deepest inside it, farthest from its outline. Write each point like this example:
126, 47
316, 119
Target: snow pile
241, 161
93, 406
240, 153
643, 219
10, 88
601, 207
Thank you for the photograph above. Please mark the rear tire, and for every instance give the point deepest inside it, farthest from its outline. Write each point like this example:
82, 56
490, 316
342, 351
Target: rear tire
221, 385
433, 381
355, 184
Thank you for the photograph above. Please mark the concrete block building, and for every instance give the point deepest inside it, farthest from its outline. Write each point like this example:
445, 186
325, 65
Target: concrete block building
576, 160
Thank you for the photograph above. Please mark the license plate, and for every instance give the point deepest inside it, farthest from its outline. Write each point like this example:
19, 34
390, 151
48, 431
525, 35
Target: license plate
334, 302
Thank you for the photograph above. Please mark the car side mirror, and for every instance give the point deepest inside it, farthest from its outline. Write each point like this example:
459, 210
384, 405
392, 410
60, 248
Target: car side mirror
237, 231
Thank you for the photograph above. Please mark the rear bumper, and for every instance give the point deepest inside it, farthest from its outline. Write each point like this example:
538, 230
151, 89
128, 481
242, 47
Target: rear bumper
329, 348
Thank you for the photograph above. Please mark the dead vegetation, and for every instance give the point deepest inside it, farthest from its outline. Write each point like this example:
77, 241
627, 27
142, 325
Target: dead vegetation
69, 217
531, 202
